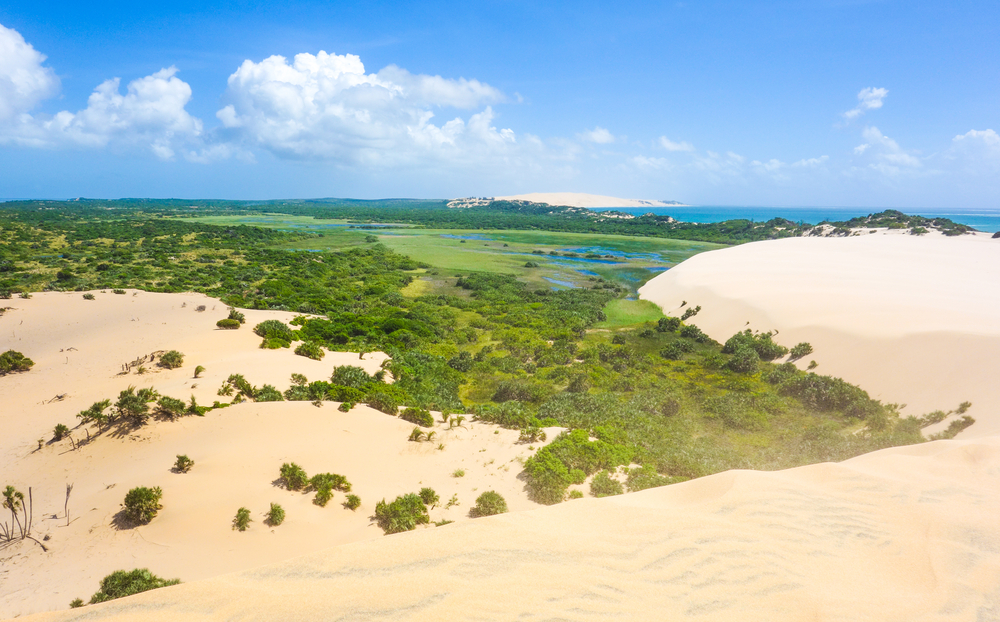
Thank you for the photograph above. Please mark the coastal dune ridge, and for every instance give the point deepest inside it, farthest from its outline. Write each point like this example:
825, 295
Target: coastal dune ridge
913, 320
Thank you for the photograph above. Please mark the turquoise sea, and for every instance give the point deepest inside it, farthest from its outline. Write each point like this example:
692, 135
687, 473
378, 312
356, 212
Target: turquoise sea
983, 220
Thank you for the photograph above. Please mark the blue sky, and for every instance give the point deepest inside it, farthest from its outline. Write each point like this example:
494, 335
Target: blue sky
852, 103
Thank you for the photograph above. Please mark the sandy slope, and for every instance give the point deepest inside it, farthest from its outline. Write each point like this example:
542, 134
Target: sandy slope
903, 534
579, 199
237, 450
913, 320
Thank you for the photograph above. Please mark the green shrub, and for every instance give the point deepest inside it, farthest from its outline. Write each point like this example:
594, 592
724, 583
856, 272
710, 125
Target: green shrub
311, 350
345, 407
676, 350
575, 494
418, 416
293, 476
242, 519
351, 376
268, 393
132, 406
801, 349
171, 359
353, 502
141, 504
428, 496
88, 297
118, 291
61, 431
403, 514
12, 361
531, 434
228, 324
761, 343
325, 483
76, 603
458, 473
668, 324
644, 477
744, 360
690, 312
275, 516
603, 485
489, 503
274, 343
171, 407
236, 316
274, 329
183, 464
197, 370
121, 583
385, 400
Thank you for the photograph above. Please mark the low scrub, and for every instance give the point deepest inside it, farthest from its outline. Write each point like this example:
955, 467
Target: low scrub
141, 504
311, 350
489, 503
172, 359
183, 464
228, 324
418, 416
13, 361
293, 476
403, 514
603, 485
242, 519
275, 516
121, 583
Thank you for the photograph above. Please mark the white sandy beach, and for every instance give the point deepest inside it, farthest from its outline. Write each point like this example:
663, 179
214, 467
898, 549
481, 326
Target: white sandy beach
912, 320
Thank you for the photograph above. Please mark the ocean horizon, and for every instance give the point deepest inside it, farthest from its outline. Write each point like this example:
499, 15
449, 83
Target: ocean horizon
987, 220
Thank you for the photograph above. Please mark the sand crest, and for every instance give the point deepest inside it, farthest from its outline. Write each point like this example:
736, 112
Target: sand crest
580, 199
912, 320
902, 534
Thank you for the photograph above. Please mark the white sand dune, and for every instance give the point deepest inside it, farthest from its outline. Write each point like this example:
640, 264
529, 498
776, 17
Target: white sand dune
912, 320
903, 534
579, 199
78, 347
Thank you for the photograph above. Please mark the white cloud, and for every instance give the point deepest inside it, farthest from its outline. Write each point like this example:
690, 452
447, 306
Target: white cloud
884, 155
644, 163
151, 114
860, 149
987, 138
811, 162
24, 81
597, 135
868, 99
326, 106
771, 166
670, 145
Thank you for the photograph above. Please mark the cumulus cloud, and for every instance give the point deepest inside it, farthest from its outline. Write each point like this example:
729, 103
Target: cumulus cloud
150, 114
670, 145
24, 81
986, 138
598, 135
868, 99
326, 106
811, 162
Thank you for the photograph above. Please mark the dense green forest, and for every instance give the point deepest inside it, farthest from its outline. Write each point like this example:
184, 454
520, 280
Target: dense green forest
658, 394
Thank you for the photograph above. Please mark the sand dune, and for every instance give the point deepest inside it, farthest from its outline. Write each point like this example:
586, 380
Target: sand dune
913, 320
902, 534
78, 347
579, 199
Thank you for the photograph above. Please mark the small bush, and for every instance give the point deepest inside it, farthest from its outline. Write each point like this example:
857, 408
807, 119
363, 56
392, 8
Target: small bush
531, 434
88, 297
118, 291
603, 485
428, 496
325, 483
489, 503
172, 407
171, 359
275, 516
121, 583
458, 473
228, 324
76, 603
268, 393
293, 476
61, 431
418, 416
141, 504
403, 514
744, 361
800, 350
236, 315
183, 464
11, 361
690, 312
345, 407
353, 502
274, 329
242, 519
575, 494
668, 324
197, 370
311, 350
